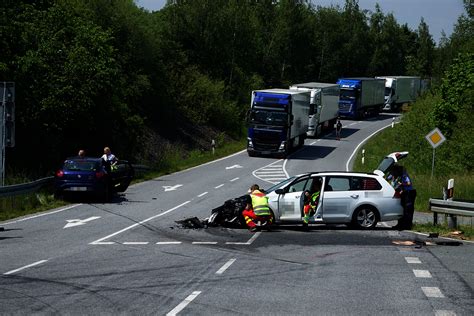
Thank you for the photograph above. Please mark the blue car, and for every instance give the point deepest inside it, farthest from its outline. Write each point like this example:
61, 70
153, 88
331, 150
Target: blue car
93, 176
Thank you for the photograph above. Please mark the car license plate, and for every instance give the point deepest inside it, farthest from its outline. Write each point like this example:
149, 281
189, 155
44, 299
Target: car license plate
78, 188
266, 152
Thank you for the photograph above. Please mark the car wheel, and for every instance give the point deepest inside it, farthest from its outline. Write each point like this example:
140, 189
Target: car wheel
365, 217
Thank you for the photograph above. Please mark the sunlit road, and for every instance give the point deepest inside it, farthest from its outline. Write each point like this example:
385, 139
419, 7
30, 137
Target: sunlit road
130, 257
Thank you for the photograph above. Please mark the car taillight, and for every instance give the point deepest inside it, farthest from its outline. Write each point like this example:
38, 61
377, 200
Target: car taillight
397, 195
99, 174
59, 173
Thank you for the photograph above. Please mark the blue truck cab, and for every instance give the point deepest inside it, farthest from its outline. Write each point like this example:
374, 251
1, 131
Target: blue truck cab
277, 121
361, 96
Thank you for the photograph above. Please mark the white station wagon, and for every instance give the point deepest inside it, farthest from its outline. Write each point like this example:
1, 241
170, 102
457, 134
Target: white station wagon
361, 199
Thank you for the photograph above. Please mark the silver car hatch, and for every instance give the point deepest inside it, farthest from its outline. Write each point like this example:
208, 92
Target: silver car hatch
387, 163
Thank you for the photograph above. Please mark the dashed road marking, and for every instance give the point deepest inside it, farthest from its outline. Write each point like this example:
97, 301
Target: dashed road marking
235, 179
204, 242
136, 243
219, 186
202, 194
422, 273
444, 313
225, 266
412, 260
168, 243
25, 267
432, 291
183, 304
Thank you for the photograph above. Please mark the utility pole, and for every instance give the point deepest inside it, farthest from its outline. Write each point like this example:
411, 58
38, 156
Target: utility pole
7, 122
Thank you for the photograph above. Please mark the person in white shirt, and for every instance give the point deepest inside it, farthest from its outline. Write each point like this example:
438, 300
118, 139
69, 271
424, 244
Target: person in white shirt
109, 157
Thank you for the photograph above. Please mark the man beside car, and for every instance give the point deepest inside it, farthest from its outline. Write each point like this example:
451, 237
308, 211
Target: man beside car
401, 181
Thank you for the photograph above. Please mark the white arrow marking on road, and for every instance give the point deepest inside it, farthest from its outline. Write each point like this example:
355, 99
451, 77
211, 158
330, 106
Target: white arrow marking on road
171, 188
78, 222
233, 167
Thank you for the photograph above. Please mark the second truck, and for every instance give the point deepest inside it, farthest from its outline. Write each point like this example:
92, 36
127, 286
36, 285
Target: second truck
323, 107
278, 121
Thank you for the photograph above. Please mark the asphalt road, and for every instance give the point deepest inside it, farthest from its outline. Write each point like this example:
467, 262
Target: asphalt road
130, 257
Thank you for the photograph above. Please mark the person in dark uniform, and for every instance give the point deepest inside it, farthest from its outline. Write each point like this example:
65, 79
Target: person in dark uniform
402, 183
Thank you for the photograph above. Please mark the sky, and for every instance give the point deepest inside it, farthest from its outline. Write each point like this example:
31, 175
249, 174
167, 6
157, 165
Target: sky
438, 14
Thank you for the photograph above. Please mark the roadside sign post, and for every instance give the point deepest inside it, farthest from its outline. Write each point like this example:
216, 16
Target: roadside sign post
7, 123
435, 138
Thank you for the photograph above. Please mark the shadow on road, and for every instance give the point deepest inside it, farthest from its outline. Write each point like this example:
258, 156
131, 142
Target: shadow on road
312, 153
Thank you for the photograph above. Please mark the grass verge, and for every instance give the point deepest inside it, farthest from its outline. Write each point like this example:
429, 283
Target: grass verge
463, 232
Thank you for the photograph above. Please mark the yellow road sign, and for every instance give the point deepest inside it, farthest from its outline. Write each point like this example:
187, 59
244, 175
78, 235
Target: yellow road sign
435, 137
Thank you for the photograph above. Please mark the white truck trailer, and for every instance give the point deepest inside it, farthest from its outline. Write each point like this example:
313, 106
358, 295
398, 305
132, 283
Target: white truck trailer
324, 105
400, 90
278, 121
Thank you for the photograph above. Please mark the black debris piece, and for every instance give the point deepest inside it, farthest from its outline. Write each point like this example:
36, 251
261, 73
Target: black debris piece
192, 222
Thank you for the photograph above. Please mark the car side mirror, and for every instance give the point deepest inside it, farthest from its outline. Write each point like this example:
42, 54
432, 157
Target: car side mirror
280, 191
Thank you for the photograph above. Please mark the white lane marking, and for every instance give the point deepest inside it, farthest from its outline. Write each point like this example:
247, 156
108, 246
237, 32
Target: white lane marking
272, 173
43, 214
413, 260
204, 242
171, 188
235, 179
233, 167
202, 194
25, 267
249, 242
136, 243
352, 124
183, 304
137, 224
422, 273
168, 243
225, 266
207, 163
432, 291
362, 143
79, 222
444, 313
219, 186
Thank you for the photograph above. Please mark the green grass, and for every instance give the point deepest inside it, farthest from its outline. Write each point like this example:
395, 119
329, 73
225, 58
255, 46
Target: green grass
467, 232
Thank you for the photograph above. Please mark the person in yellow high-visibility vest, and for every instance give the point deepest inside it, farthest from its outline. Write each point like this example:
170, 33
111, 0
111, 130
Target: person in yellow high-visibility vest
311, 201
258, 209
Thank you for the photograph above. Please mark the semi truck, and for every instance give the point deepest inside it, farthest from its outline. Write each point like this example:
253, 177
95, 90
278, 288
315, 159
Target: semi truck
278, 121
323, 105
360, 96
400, 90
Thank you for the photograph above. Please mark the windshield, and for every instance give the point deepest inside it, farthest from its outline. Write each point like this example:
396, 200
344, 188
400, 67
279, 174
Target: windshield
269, 117
386, 164
77, 165
347, 94
279, 185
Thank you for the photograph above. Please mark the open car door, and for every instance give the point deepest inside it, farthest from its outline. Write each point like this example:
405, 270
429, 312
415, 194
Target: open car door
389, 161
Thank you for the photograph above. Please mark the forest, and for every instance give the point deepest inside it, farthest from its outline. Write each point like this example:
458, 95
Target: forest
95, 73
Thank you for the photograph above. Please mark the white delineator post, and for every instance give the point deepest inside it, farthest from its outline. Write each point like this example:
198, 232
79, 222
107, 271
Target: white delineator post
363, 156
213, 146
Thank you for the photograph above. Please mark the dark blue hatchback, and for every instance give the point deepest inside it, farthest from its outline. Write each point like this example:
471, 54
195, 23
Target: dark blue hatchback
93, 176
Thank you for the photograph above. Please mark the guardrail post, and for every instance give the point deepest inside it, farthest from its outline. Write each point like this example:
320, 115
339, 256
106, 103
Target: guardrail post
435, 218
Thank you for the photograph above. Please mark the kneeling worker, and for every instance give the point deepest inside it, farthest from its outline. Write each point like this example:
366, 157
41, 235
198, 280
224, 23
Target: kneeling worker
257, 208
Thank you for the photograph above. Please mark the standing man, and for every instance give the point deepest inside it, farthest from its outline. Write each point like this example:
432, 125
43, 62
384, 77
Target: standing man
402, 183
257, 208
338, 129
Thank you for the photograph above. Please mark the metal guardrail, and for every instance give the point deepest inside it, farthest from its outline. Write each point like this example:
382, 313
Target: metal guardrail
452, 208
25, 188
